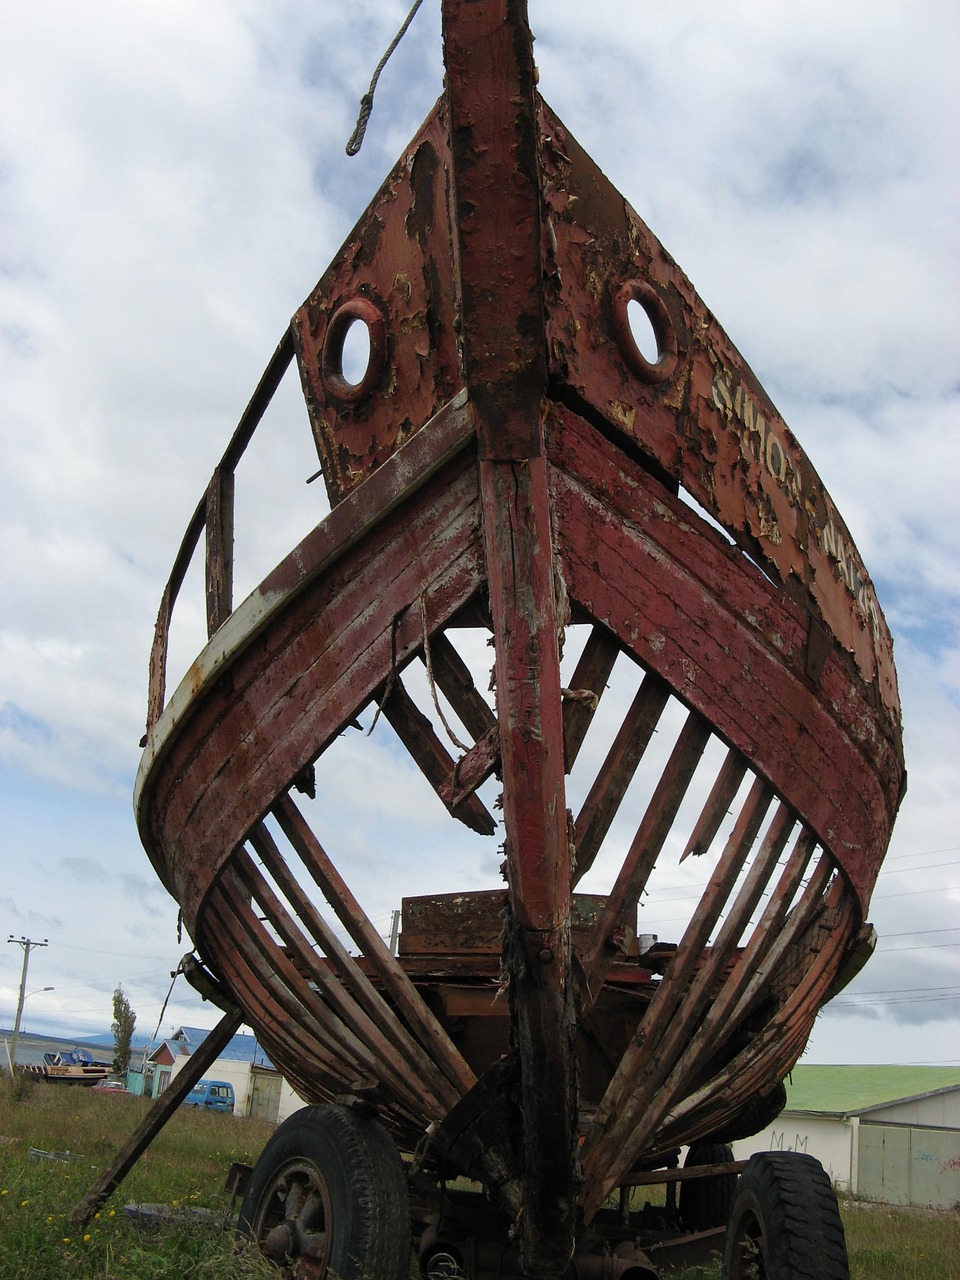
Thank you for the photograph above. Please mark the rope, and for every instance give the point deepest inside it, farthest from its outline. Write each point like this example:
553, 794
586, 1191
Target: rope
366, 102
391, 678
433, 688
174, 976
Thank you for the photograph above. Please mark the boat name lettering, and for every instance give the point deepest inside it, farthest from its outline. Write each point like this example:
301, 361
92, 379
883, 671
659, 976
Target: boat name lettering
757, 436
759, 439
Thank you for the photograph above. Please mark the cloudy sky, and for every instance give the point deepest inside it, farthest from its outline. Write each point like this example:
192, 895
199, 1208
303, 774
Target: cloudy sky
172, 184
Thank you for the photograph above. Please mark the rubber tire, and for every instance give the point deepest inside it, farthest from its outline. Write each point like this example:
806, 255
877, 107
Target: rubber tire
705, 1203
786, 1204
365, 1184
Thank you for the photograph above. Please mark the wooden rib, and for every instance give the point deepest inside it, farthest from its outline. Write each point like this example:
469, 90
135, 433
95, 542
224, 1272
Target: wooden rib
785, 1034
250, 978
767, 949
436, 764
342, 974
398, 986
625, 1117
290, 993
590, 676
731, 774
472, 769
718, 1023
401, 1065
647, 843
456, 684
343, 964
689, 954
610, 784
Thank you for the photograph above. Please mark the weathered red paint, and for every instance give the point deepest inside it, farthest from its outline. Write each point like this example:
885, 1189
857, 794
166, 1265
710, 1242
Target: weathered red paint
709, 424
488, 54
510, 460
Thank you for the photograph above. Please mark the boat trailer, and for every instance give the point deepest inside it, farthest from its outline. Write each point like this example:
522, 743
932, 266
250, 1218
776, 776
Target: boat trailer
692, 677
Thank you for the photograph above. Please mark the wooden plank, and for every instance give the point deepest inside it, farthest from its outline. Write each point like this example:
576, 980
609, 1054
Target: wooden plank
436, 764
706, 421
772, 940
490, 80
284, 698
456, 683
696, 611
587, 684
158, 1115
610, 785
777, 1046
158, 663
310, 1060
398, 986
348, 969
397, 480
473, 768
283, 999
219, 550
672, 990
308, 1043
658, 1177
401, 1060
646, 845
721, 796
627, 1116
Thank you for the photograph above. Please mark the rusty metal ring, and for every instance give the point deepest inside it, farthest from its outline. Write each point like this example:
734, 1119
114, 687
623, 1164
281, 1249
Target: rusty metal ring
663, 330
354, 310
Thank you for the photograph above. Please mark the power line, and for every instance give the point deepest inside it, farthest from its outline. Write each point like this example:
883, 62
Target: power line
920, 933
908, 871
924, 853
900, 991
912, 893
929, 946
856, 1004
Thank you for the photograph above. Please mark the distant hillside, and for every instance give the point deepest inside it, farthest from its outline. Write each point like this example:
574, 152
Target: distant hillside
106, 1039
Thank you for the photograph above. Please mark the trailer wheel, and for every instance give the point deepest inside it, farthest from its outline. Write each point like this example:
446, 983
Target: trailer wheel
785, 1222
328, 1198
706, 1202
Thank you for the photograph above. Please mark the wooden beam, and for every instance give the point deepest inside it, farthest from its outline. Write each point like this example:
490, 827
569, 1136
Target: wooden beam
418, 735
158, 1115
494, 134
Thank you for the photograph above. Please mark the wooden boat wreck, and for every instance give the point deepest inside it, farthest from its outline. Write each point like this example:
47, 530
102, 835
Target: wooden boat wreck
511, 462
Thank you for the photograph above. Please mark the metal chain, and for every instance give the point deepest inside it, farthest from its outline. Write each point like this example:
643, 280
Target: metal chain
366, 102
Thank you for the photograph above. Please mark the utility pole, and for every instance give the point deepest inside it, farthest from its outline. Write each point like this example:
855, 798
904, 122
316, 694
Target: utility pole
28, 944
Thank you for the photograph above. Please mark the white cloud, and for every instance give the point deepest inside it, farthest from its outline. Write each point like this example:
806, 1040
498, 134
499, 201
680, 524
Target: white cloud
172, 184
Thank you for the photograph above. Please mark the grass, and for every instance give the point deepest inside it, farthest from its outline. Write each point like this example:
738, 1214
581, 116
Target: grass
885, 1243
187, 1165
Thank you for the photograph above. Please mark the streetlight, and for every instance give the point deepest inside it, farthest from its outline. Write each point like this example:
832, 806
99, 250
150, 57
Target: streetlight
37, 991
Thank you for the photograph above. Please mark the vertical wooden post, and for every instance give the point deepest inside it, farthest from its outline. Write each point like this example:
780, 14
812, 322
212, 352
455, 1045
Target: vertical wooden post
494, 137
219, 557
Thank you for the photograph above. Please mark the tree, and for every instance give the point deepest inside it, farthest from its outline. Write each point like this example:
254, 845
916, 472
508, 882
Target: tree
124, 1021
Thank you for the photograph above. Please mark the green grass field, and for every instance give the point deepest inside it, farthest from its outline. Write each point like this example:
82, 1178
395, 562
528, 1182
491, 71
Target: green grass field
186, 1168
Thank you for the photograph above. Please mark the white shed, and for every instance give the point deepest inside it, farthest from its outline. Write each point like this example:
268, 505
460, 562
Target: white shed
890, 1134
